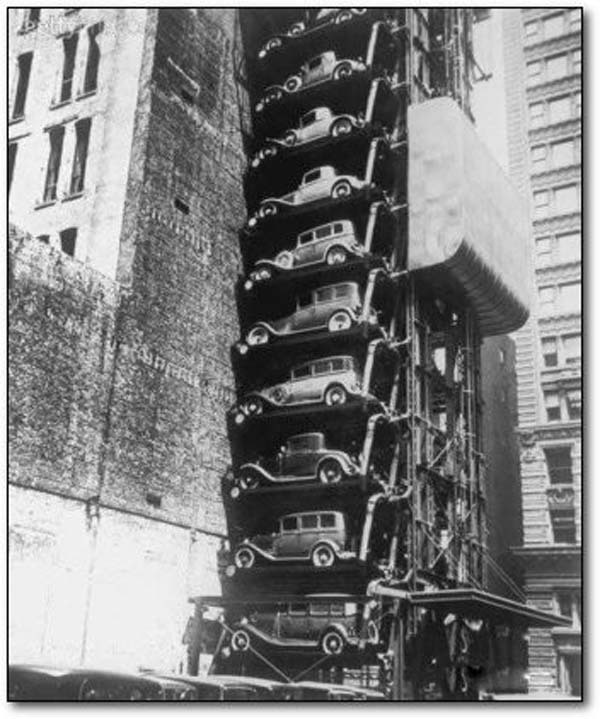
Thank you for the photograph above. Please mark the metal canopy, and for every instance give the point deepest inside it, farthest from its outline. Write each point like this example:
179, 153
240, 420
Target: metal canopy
477, 604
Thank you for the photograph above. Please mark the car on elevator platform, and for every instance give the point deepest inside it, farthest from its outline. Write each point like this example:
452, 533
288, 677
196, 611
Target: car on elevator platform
317, 184
330, 380
316, 124
334, 308
329, 624
304, 458
321, 538
325, 16
331, 244
317, 70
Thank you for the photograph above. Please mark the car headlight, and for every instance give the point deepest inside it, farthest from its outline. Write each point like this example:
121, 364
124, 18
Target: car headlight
285, 259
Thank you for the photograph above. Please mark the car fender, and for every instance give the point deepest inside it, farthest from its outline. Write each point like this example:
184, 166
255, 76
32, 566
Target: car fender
347, 465
281, 201
339, 628
262, 552
269, 263
329, 542
269, 327
256, 469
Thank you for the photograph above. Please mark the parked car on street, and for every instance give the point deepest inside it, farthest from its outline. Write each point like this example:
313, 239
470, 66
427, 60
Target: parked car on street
315, 71
330, 380
305, 458
321, 691
330, 625
264, 689
335, 308
213, 687
331, 244
325, 16
321, 538
317, 123
317, 184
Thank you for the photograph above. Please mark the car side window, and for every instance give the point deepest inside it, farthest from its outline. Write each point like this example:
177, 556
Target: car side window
343, 290
314, 63
304, 238
323, 232
311, 176
319, 610
298, 610
337, 610
337, 365
305, 299
310, 522
321, 367
325, 295
308, 119
327, 521
301, 372
338, 228
289, 524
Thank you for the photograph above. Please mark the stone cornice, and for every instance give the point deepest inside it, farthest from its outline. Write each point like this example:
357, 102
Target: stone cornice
558, 223
561, 43
566, 128
559, 272
560, 86
551, 178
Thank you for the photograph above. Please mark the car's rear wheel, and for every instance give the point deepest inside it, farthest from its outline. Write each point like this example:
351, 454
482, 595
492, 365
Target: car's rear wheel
332, 643
322, 556
336, 256
341, 127
290, 138
342, 71
254, 406
258, 336
267, 209
244, 558
330, 471
293, 84
372, 633
341, 190
240, 641
335, 395
296, 28
344, 16
339, 322
248, 481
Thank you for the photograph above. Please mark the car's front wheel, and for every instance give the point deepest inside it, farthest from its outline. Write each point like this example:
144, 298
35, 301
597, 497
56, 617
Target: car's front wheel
336, 256
244, 558
342, 71
240, 641
293, 83
296, 28
330, 471
332, 643
258, 336
341, 127
335, 395
267, 209
263, 273
339, 322
254, 406
322, 556
341, 190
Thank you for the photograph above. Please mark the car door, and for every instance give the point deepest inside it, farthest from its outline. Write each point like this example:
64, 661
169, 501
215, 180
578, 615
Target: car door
313, 186
309, 533
300, 384
304, 317
324, 305
294, 623
288, 541
295, 457
315, 69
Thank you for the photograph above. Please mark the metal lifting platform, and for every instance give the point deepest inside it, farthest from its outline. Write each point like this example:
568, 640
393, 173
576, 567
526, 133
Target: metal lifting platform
402, 604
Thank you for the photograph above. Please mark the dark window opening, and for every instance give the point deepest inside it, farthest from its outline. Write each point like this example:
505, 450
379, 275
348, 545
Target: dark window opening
12, 155
44, 238
82, 134
559, 463
187, 96
154, 500
67, 241
56, 143
90, 82
563, 526
24, 71
181, 206
70, 52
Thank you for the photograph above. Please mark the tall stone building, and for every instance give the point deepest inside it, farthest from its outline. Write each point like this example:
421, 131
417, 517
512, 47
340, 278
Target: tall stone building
542, 70
125, 165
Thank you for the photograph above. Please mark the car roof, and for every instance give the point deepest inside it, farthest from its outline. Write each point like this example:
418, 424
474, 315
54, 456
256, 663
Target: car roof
248, 681
324, 359
315, 511
325, 224
306, 434
82, 672
337, 284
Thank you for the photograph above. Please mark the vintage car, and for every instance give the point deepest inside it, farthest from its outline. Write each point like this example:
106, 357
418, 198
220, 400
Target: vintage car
331, 625
317, 184
314, 125
304, 458
225, 688
330, 244
321, 538
321, 68
325, 16
332, 380
321, 691
335, 308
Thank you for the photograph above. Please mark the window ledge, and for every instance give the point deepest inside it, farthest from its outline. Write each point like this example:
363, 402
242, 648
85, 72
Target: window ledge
14, 120
84, 95
62, 103
73, 196
40, 204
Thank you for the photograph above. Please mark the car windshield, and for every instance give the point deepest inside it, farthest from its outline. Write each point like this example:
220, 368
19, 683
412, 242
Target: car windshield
308, 119
315, 62
305, 299
323, 232
303, 444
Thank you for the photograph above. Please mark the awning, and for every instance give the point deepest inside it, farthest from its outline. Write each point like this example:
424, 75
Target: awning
477, 604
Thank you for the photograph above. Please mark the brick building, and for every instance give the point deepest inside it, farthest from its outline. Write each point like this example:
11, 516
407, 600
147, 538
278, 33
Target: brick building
542, 71
125, 163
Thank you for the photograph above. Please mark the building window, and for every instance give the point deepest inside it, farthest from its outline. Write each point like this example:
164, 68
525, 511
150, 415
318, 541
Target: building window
536, 114
538, 158
68, 238
541, 204
534, 72
556, 67
575, 20
543, 249
68, 70
44, 238
12, 156
570, 297
574, 404
565, 199
563, 525
82, 138
560, 109
90, 82
569, 247
576, 62
552, 405
23, 73
547, 298
553, 26
559, 464
550, 352
56, 136
563, 153
531, 31
572, 348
